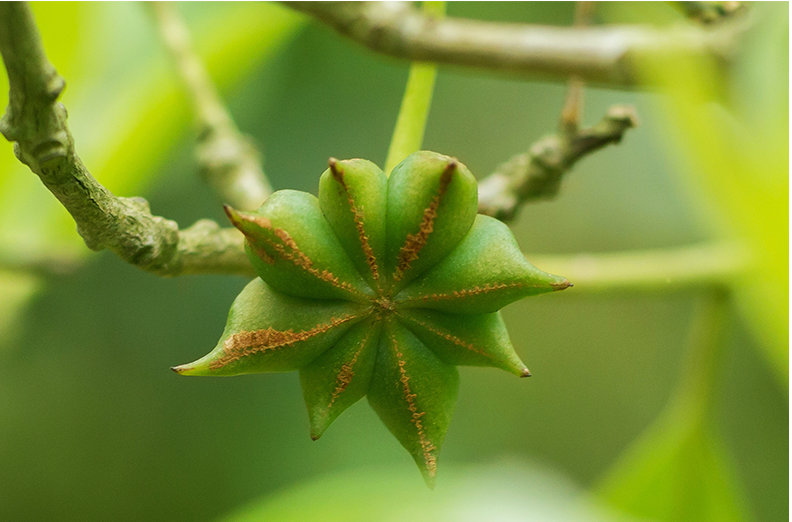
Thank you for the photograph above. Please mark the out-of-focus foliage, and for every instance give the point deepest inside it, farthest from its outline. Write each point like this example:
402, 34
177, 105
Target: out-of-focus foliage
678, 470
127, 109
732, 127
93, 425
498, 492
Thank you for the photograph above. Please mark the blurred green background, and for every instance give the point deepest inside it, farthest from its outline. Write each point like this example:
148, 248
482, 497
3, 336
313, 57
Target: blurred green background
93, 425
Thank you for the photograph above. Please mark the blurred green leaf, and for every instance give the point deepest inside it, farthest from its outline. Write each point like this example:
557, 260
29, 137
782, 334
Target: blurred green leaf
739, 162
729, 127
506, 492
676, 472
17, 289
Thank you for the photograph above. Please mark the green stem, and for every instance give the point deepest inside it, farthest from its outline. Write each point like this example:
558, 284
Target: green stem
709, 265
411, 123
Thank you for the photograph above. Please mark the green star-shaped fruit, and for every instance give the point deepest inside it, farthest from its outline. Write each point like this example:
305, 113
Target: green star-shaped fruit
378, 288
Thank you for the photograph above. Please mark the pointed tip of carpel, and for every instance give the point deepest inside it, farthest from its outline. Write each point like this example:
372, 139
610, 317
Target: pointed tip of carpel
181, 369
318, 425
561, 285
244, 221
335, 169
317, 432
199, 367
232, 214
235, 217
525, 373
430, 480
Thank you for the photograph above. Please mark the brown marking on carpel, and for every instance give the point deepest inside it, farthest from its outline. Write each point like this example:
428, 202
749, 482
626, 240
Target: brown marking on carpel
415, 242
357, 214
238, 220
344, 377
448, 337
301, 260
470, 292
247, 343
426, 445
262, 254
525, 373
561, 286
288, 251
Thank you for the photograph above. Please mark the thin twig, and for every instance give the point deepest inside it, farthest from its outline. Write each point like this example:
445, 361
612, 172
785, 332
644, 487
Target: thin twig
602, 55
229, 161
537, 174
573, 104
37, 123
708, 13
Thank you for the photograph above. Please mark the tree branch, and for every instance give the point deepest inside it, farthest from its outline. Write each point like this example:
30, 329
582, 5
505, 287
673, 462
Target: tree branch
537, 173
711, 12
603, 55
37, 123
228, 159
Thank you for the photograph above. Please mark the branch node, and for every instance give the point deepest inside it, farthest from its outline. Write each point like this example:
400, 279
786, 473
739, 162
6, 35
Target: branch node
36, 122
537, 174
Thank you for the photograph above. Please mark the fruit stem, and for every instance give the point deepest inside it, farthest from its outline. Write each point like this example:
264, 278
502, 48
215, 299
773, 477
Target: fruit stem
411, 122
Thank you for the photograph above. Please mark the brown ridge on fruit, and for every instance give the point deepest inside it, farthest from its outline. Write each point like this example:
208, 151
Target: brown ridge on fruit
263, 254
476, 290
371, 259
344, 377
426, 445
447, 336
296, 255
243, 344
415, 242
301, 260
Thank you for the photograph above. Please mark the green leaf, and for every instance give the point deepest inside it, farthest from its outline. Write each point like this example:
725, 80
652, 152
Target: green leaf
507, 491
483, 274
432, 202
413, 392
677, 472
268, 331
